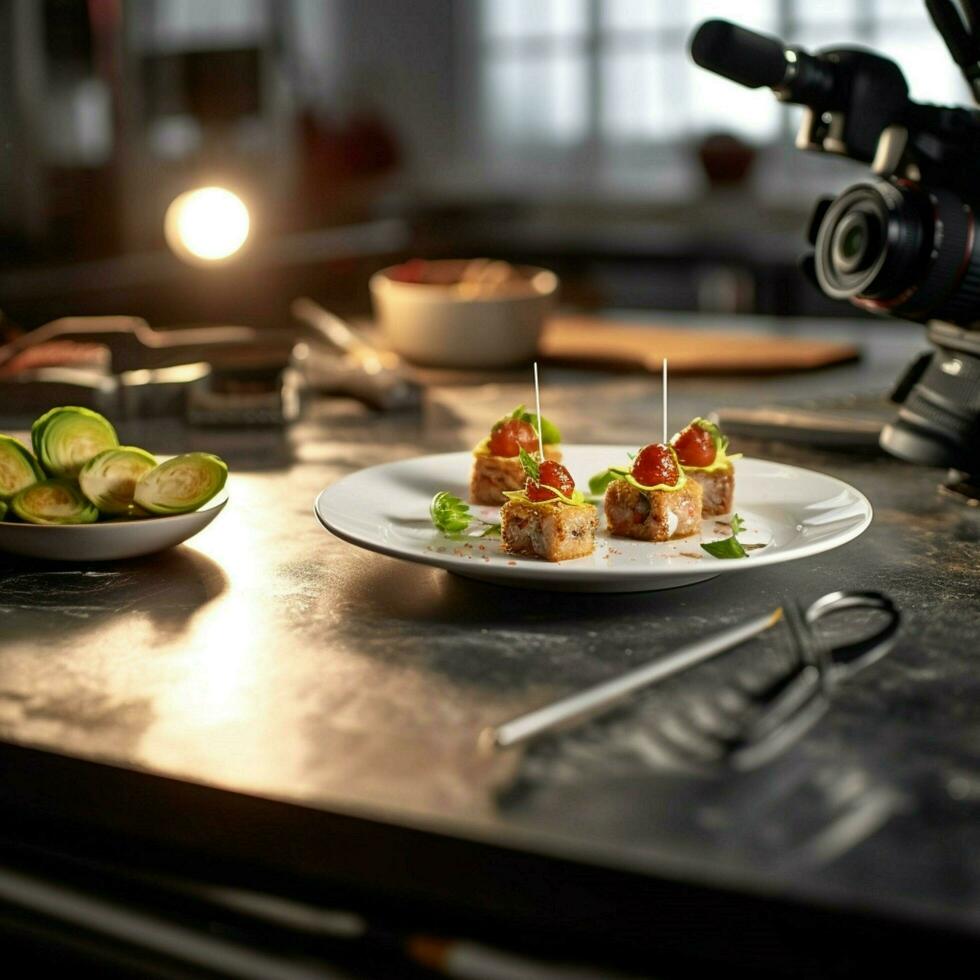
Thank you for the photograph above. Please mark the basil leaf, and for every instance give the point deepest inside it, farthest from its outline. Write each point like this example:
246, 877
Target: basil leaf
530, 464
449, 514
728, 547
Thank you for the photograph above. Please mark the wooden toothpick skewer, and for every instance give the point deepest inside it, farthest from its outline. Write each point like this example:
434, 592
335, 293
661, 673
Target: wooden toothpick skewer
537, 405
664, 386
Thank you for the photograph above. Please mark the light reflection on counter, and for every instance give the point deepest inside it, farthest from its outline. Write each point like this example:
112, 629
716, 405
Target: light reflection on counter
217, 718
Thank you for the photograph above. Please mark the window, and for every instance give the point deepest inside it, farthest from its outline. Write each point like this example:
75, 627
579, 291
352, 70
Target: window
613, 74
535, 84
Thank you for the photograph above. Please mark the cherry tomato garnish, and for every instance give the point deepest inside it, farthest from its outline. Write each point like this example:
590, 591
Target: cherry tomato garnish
655, 464
694, 446
510, 436
551, 474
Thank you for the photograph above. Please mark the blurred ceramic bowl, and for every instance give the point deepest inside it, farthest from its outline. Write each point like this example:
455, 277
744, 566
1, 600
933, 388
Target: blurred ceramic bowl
446, 321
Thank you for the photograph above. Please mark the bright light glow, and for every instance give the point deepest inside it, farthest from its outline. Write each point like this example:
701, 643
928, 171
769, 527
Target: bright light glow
206, 225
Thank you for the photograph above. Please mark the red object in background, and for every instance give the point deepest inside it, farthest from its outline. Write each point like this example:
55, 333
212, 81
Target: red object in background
694, 446
727, 160
550, 474
369, 145
411, 271
655, 464
363, 146
339, 164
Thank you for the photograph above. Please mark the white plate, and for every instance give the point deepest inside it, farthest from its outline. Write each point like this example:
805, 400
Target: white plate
788, 511
107, 541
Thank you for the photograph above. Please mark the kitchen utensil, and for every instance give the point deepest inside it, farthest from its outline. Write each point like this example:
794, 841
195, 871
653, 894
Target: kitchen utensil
779, 714
147, 373
593, 700
134, 344
217, 375
144, 393
346, 362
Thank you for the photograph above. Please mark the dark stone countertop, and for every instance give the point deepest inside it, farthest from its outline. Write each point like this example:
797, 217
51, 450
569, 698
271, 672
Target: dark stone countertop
268, 657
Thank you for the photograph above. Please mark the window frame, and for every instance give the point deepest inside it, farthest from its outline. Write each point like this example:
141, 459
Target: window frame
595, 160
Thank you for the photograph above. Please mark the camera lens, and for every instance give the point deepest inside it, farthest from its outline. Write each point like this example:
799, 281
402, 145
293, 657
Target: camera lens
855, 242
891, 247
870, 242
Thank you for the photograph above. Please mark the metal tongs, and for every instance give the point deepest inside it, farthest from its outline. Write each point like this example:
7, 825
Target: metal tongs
774, 717
355, 366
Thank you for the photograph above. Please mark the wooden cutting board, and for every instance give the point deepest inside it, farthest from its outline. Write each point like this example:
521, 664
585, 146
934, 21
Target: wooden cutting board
598, 342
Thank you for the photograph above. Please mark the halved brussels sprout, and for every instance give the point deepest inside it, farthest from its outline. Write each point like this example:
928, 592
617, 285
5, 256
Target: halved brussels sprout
53, 502
110, 478
66, 438
181, 484
18, 468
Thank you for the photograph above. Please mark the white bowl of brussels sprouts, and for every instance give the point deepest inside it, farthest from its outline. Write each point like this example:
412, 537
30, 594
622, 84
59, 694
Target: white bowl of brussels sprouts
80, 496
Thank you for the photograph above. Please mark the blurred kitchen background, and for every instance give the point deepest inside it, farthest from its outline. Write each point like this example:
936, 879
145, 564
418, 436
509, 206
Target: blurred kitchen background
574, 134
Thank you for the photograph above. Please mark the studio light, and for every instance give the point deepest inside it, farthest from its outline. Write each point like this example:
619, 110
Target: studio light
207, 225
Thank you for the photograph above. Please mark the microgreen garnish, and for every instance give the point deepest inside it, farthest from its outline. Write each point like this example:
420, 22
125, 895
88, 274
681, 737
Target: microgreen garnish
728, 547
449, 514
452, 517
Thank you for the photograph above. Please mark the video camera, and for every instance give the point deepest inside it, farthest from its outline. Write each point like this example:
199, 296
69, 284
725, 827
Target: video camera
904, 243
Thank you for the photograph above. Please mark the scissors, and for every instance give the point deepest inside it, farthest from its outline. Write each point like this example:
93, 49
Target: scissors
780, 713
800, 698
